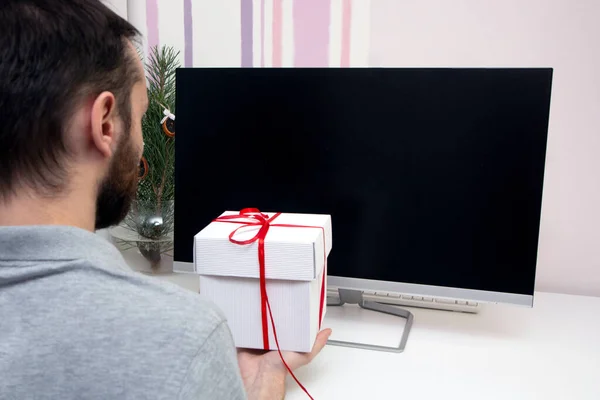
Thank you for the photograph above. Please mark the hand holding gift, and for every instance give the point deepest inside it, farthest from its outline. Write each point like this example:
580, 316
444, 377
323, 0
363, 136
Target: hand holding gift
264, 373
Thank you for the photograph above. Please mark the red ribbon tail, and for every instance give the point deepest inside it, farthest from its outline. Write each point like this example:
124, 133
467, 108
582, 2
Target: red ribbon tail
263, 292
281, 354
323, 295
265, 326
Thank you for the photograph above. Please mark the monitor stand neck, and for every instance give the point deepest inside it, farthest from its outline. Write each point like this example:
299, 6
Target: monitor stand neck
348, 296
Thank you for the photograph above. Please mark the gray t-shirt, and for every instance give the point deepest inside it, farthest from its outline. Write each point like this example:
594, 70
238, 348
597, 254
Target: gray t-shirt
76, 324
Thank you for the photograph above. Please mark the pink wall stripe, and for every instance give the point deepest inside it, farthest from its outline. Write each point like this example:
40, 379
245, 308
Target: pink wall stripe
152, 23
346, 21
188, 31
247, 33
278, 32
311, 33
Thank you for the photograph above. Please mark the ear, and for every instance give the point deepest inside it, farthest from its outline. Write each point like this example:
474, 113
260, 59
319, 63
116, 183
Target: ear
103, 124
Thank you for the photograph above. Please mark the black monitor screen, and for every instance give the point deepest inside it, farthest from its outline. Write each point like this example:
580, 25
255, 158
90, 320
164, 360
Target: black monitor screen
431, 176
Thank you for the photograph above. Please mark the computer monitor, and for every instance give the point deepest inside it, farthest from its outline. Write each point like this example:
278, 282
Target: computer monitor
433, 176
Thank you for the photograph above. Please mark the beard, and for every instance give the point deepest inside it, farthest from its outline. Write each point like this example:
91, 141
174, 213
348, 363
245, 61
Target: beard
118, 189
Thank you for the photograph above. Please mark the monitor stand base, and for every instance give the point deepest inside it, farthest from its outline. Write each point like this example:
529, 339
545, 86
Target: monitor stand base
348, 296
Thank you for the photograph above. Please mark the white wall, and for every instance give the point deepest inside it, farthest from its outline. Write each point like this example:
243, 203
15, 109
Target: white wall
563, 34
119, 6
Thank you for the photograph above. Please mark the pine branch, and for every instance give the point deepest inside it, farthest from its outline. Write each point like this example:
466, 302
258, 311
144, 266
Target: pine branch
156, 190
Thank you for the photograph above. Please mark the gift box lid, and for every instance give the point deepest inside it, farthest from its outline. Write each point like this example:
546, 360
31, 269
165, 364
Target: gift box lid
291, 253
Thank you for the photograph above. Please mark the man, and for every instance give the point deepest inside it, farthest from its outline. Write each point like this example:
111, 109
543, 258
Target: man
74, 323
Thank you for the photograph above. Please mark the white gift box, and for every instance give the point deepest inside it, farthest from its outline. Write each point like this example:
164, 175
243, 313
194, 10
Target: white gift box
295, 259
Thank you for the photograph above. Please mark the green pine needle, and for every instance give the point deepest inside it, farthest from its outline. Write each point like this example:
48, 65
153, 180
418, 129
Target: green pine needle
157, 190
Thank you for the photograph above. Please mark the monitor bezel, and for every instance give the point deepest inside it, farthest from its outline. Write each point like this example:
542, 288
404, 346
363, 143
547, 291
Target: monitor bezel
402, 288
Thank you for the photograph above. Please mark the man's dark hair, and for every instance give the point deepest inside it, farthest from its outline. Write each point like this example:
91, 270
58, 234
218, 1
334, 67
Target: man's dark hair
53, 54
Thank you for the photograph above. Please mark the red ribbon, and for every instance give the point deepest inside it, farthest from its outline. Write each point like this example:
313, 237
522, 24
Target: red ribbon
253, 217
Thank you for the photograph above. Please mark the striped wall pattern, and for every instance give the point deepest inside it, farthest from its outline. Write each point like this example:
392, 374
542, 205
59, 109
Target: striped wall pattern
257, 33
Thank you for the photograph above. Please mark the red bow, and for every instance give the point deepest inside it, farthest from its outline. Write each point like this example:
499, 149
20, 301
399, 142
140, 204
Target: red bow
253, 217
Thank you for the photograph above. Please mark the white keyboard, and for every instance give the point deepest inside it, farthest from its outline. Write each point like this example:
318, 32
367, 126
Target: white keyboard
398, 299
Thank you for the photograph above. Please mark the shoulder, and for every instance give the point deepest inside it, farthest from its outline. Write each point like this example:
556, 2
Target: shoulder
211, 368
214, 372
153, 301
177, 327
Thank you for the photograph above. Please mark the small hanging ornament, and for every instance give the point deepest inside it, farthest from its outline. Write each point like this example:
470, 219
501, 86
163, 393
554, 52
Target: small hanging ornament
168, 123
143, 168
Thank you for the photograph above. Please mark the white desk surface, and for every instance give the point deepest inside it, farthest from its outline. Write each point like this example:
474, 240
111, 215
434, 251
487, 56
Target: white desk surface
551, 351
